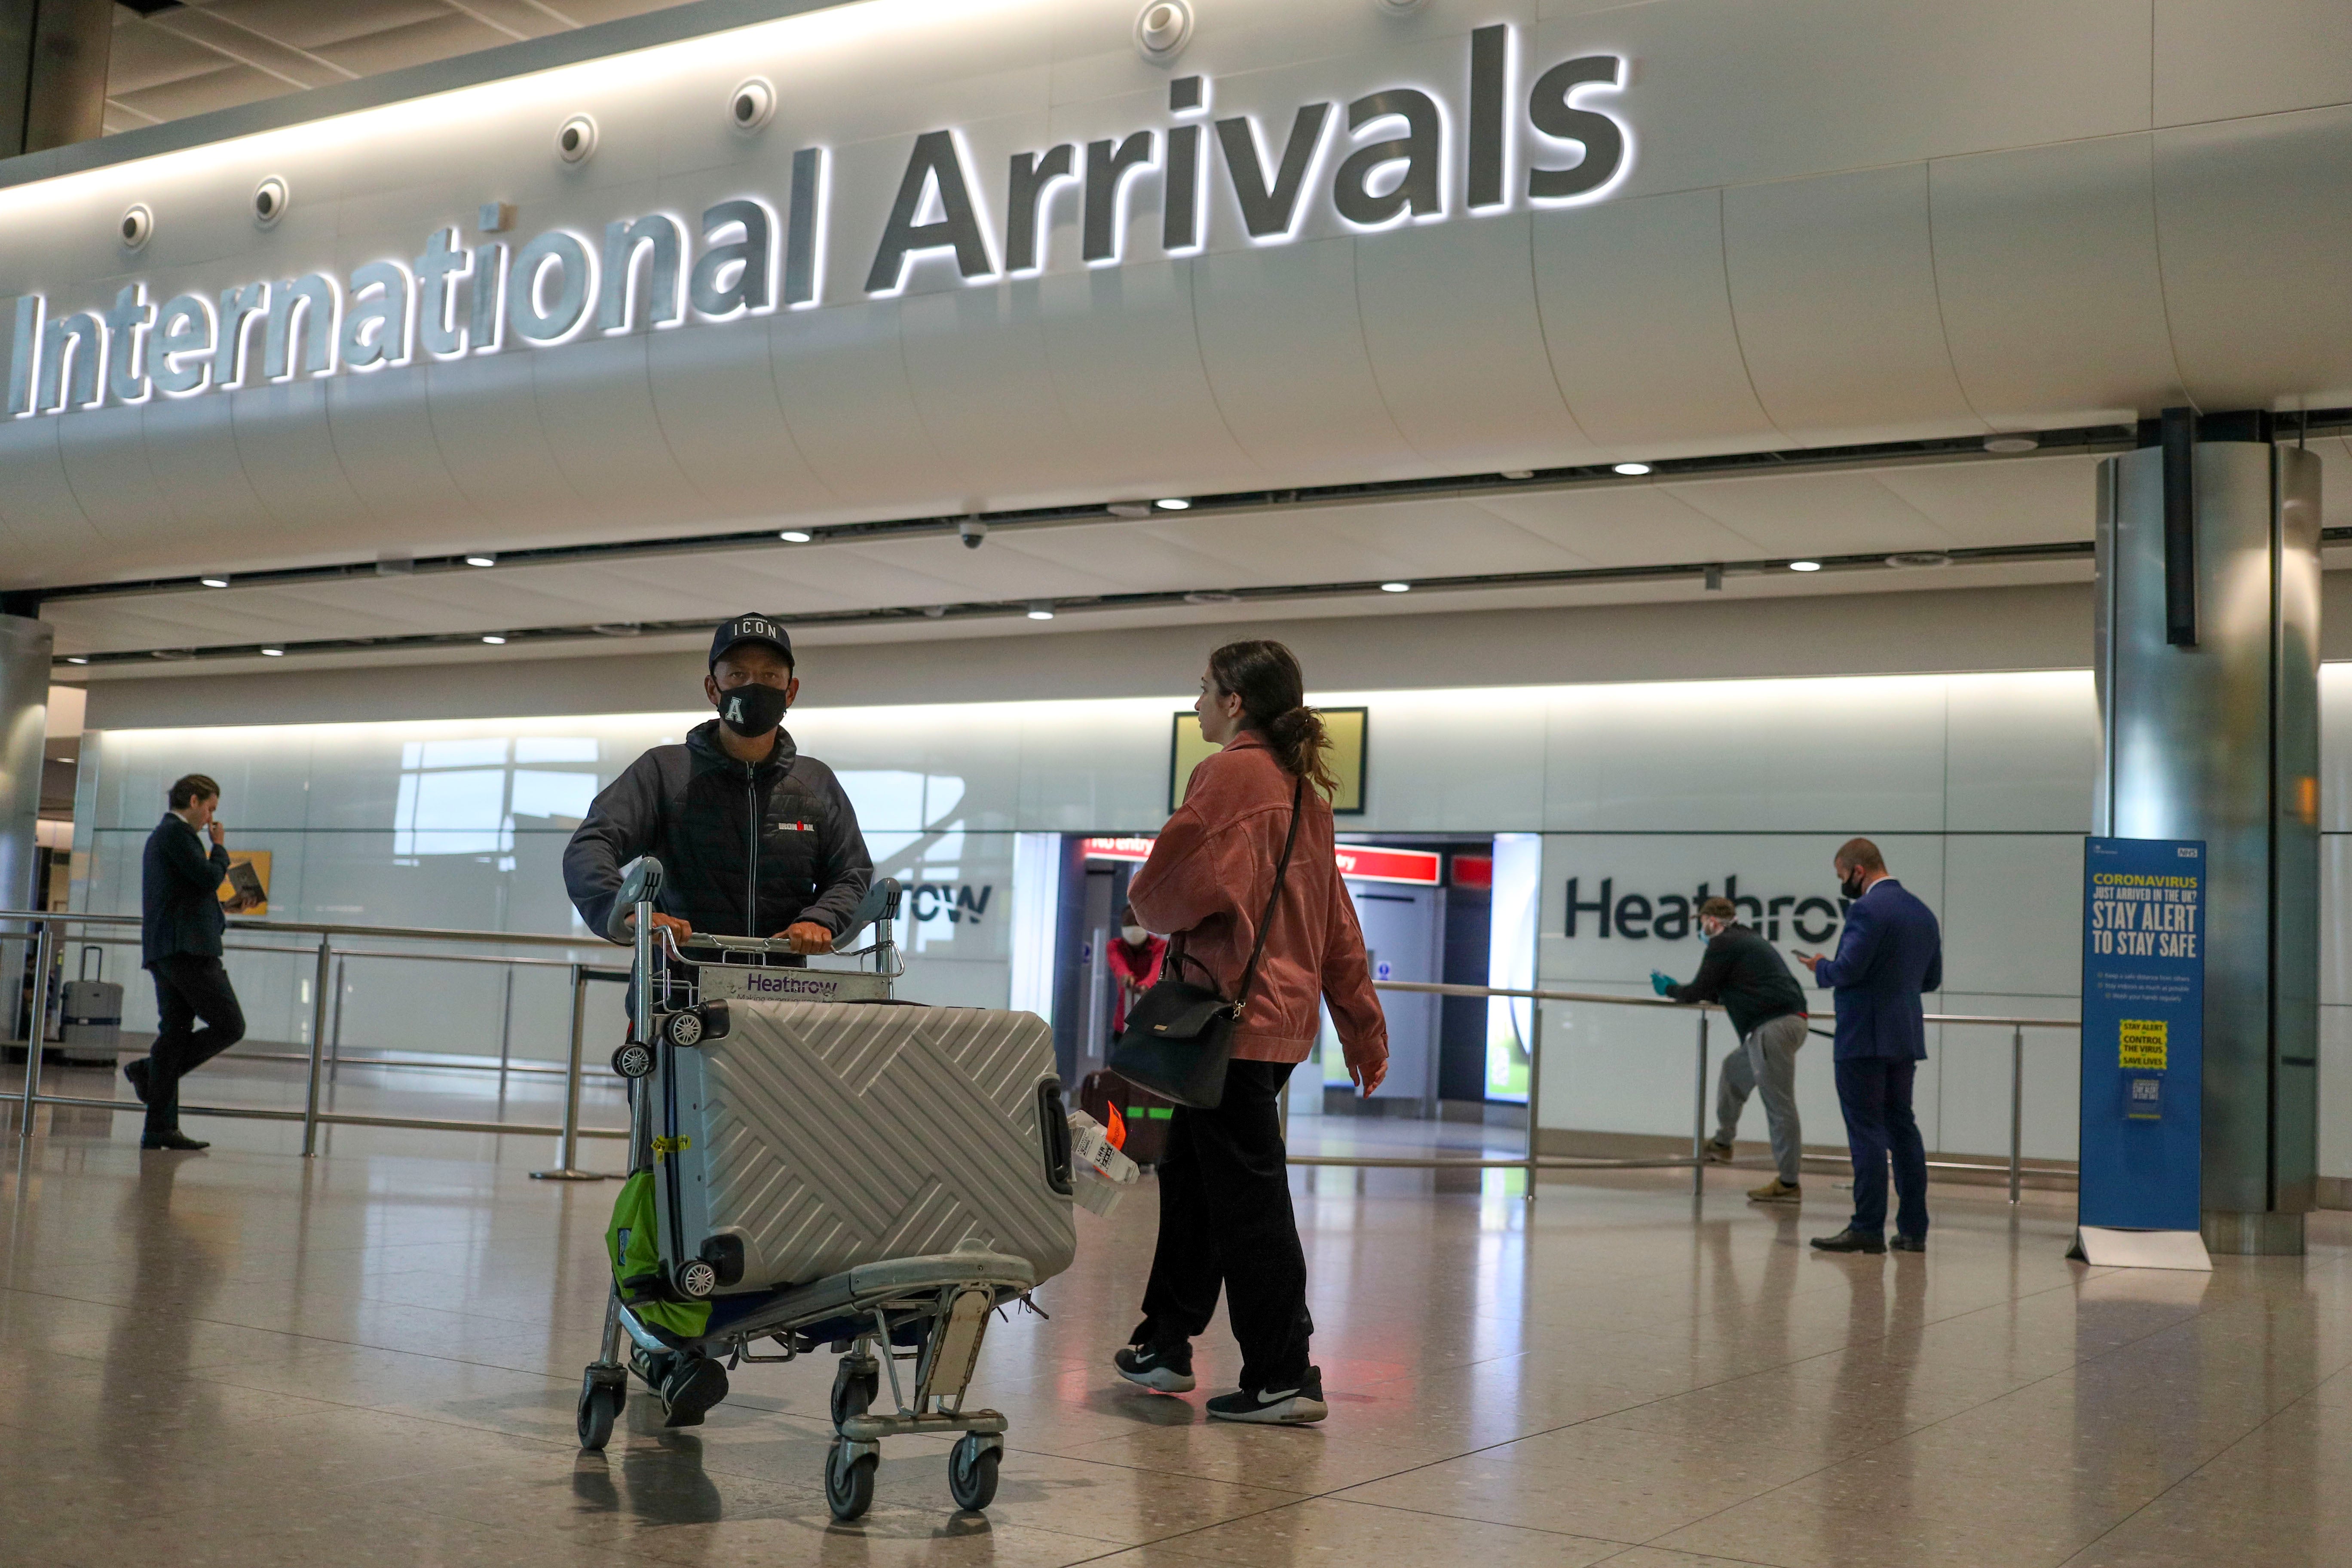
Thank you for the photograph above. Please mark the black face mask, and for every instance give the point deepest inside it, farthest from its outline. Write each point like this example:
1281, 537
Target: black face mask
1852, 885
751, 710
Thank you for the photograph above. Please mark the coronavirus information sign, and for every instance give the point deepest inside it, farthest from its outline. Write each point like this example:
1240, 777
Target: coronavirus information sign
2143, 1031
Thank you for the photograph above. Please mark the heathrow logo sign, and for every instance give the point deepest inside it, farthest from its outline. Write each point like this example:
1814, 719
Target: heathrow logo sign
1396, 155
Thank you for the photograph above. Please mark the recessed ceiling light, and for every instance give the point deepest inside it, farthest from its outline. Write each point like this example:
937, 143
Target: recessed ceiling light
483, 558
76, 658
273, 653
1519, 473
1631, 470
2016, 442
1804, 565
795, 536
1173, 503
494, 640
214, 582
1396, 587
1041, 609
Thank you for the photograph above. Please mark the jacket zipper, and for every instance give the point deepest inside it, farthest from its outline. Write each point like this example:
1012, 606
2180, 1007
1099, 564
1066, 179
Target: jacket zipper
752, 902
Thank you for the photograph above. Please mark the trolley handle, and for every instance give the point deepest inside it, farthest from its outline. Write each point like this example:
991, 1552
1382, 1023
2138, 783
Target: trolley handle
81, 969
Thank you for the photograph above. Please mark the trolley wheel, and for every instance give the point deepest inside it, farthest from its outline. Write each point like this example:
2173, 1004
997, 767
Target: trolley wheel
683, 1029
633, 1060
599, 1403
853, 1390
971, 1472
849, 1481
695, 1280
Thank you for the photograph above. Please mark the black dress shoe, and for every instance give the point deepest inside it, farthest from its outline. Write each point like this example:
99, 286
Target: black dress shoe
1849, 1240
1902, 1243
137, 1073
174, 1139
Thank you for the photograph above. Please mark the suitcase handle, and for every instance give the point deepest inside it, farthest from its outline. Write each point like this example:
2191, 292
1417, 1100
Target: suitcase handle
1054, 1131
81, 971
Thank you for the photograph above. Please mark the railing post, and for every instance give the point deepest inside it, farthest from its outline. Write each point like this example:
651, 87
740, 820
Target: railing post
1535, 1088
1698, 1115
324, 974
2016, 1109
43, 940
566, 1169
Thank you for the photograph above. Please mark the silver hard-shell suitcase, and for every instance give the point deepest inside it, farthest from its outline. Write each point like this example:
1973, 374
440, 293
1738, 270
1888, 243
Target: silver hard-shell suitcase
818, 1136
89, 1014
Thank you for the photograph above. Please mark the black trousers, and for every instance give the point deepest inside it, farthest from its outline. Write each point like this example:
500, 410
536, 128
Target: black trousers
1875, 1095
1225, 1221
187, 988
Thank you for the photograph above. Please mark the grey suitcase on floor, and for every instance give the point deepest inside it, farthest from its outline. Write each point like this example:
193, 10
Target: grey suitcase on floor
817, 1137
90, 1015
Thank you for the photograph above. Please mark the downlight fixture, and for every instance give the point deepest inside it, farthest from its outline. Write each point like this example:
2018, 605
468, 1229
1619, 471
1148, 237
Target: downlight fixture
269, 199
214, 582
1173, 503
575, 139
76, 658
1041, 609
1804, 565
795, 535
138, 225
752, 103
1919, 558
1631, 470
1162, 28
2013, 443
481, 558
1396, 587
273, 653
494, 640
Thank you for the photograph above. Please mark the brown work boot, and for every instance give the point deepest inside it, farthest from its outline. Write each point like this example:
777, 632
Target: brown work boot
1777, 1191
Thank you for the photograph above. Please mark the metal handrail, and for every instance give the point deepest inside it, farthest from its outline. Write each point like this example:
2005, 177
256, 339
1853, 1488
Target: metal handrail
48, 927
2016, 1168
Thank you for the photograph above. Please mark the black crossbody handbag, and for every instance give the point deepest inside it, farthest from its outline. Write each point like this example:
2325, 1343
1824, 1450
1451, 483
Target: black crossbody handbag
1180, 1037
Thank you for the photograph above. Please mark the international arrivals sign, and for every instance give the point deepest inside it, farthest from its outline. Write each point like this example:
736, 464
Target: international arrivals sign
1407, 152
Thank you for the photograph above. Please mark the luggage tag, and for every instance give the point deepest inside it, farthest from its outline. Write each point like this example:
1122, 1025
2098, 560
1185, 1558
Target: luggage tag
1104, 1173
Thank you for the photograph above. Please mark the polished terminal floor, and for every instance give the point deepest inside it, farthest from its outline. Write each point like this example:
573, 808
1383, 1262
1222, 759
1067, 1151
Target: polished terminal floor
243, 1357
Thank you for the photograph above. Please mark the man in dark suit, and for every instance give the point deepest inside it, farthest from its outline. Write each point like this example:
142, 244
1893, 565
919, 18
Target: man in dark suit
180, 938
1892, 949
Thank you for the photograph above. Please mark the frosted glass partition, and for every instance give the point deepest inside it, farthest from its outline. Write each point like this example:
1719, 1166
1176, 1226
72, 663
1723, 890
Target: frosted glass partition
1978, 785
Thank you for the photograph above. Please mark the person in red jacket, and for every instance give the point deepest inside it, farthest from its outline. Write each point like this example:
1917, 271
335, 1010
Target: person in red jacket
1135, 959
1226, 1219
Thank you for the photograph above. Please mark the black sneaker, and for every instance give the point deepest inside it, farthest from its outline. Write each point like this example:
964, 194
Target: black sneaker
1275, 1406
1162, 1370
1849, 1240
174, 1139
697, 1384
1902, 1243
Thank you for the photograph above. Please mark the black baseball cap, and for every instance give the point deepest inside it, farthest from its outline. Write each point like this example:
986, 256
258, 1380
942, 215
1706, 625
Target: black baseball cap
751, 628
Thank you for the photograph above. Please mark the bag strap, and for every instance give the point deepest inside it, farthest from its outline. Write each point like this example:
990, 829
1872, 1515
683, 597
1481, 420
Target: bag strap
1274, 895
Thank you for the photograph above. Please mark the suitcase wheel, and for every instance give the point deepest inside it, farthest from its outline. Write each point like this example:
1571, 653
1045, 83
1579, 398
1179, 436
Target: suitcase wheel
849, 1479
696, 1278
855, 1388
683, 1029
633, 1060
971, 1472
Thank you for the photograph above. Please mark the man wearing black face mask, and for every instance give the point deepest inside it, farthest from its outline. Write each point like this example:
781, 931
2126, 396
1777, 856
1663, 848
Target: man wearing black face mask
755, 839
1891, 951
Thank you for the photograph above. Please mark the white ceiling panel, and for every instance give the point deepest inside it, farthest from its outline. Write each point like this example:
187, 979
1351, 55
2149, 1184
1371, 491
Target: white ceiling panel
1625, 525
1815, 515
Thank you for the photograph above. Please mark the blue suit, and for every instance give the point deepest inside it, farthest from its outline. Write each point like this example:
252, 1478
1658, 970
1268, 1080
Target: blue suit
1891, 951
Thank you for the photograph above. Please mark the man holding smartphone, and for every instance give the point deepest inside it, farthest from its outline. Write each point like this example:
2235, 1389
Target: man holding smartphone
180, 944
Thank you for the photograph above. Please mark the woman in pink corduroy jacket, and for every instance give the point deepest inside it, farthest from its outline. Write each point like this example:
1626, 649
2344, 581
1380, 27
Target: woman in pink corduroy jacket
1225, 1220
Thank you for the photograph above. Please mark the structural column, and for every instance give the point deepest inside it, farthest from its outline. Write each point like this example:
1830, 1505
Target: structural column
2208, 660
23, 725
53, 60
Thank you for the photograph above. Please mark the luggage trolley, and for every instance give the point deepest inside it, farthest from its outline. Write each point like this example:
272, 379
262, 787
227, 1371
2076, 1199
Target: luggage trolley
929, 1311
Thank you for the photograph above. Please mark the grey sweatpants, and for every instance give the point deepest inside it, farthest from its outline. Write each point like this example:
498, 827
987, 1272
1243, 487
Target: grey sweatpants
1766, 1060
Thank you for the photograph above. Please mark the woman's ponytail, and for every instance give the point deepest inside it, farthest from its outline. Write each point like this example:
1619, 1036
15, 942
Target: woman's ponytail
1265, 676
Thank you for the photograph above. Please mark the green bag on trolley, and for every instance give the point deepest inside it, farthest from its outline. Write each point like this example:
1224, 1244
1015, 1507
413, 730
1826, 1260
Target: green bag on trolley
630, 1240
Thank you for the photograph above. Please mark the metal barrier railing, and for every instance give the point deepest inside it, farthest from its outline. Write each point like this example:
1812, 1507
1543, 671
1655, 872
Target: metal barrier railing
45, 928
1533, 1161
